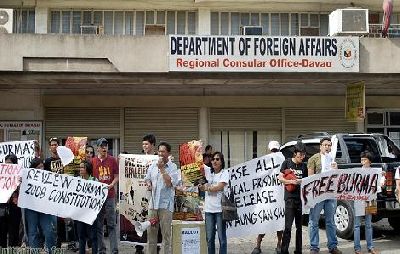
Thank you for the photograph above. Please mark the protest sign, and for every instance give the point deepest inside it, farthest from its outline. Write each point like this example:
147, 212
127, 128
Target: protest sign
78, 148
134, 198
24, 150
258, 195
9, 174
356, 184
61, 195
187, 200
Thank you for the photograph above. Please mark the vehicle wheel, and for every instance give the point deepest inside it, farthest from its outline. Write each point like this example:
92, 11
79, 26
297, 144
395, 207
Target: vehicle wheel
344, 219
395, 223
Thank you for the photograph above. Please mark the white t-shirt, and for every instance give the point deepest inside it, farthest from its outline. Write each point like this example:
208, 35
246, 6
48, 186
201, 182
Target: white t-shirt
212, 202
397, 174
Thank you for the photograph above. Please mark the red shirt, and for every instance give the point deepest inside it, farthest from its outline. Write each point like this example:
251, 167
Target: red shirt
105, 170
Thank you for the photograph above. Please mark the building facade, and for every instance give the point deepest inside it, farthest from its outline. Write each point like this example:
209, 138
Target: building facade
102, 69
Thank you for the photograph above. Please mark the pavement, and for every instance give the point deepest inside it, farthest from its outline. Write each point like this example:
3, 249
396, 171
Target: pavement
386, 241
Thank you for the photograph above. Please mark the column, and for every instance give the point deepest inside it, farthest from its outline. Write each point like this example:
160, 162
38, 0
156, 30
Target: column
203, 125
204, 25
41, 20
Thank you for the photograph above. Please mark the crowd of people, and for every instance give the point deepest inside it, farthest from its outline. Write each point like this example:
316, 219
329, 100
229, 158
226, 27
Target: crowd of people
41, 230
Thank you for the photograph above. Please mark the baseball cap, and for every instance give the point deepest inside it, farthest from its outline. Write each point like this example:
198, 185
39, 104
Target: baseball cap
101, 142
273, 145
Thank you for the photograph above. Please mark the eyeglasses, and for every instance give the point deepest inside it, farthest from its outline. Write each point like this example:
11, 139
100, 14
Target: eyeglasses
89, 152
215, 159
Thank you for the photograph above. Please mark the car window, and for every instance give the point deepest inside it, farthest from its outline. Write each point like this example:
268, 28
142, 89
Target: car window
357, 145
311, 149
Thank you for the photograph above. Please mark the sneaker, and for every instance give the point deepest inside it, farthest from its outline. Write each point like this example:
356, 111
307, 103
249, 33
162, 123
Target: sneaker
372, 251
256, 251
335, 251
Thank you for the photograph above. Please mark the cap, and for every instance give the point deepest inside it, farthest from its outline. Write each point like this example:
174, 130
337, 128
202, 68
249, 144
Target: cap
273, 145
53, 139
101, 142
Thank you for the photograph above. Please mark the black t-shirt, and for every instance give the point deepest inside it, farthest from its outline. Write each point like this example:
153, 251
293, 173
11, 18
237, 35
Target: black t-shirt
300, 171
53, 164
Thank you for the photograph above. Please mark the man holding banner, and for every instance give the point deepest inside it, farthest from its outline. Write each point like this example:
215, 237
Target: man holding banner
318, 163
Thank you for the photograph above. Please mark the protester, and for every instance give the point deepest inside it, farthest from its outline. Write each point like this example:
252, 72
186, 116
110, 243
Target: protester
149, 144
89, 152
86, 231
366, 160
217, 179
273, 147
293, 209
53, 163
105, 169
319, 163
162, 177
10, 215
41, 224
207, 156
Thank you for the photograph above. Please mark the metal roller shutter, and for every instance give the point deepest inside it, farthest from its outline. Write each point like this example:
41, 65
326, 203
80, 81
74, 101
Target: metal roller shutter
245, 119
173, 125
82, 122
307, 120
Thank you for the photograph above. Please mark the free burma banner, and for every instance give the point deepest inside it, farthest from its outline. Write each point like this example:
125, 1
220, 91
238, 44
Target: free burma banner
61, 195
9, 174
355, 184
134, 197
187, 200
24, 150
258, 195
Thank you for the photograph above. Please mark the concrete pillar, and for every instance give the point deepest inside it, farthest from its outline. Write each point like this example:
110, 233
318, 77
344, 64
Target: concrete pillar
204, 25
360, 127
203, 125
41, 20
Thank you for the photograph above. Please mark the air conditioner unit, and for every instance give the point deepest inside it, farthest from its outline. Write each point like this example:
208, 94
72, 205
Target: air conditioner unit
154, 30
251, 30
350, 21
6, 21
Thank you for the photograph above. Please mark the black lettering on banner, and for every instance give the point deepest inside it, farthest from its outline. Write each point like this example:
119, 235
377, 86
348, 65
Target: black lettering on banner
262, 216
36, 191
260, 197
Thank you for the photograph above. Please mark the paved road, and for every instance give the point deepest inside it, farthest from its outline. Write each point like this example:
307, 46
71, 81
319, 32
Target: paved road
386, 240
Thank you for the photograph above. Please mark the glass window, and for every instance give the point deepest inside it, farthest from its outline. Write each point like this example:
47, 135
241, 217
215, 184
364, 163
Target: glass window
129, 23
324, 25
181, 22
171, 22
265, 23
31, 21
284, 24
255, 19
244, 19
357, 145
314, 20
394, 118
235, 23
192, 23
66, 22
275, 24
375, 118
24, 22
294, 24
108, 22
150, 17
118, 22
55, 22
304, 20
98, 18
224, 23
160, 17
87, 18
76, 22
214, 23
139, 23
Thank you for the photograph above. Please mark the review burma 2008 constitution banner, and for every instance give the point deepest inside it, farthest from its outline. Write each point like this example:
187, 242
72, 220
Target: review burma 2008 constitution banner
263, 53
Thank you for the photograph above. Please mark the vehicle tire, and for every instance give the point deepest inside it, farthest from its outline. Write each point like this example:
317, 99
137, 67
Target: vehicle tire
344, 219
395, 223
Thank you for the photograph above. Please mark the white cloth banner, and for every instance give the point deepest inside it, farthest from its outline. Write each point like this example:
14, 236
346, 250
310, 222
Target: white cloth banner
9, 174
24, 150
259, 196
356, 184
61, 195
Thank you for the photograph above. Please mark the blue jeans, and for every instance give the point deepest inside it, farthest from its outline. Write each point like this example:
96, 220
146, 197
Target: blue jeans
329, 207
368, 232
40, 221
108, 211
212, 220
85, 232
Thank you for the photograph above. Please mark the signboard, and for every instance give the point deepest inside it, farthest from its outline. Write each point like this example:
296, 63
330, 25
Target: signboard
263, 54
355, 184
61, 195
258, 195
355, 102
20, 130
